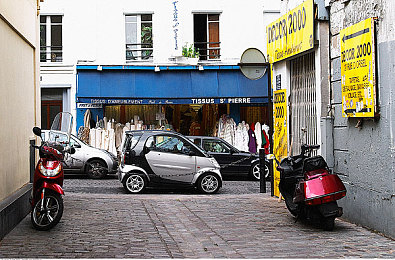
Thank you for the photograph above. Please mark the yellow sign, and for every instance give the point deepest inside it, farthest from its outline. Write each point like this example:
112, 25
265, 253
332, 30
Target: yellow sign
280, 139
358, 79
292, 33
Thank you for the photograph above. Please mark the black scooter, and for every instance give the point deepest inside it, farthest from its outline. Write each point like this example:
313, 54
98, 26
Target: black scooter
309, 189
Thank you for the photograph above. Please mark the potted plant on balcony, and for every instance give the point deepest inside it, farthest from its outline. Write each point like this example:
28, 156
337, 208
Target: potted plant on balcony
189, 55
146, 42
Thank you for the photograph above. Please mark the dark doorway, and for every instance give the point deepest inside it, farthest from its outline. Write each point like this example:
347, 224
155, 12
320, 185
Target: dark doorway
51, 105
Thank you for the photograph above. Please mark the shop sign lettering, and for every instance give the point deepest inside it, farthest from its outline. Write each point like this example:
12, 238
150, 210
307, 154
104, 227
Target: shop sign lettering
238, 101
292, 33
358, 79
175, 24
159, 101
117, 101
280, 139
221, 100
202, 100
278, 82
89, 105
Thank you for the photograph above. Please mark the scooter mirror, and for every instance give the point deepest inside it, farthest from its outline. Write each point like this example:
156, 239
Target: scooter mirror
37, 131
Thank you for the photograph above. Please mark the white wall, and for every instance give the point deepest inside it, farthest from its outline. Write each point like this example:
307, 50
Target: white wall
95, 29
19, 91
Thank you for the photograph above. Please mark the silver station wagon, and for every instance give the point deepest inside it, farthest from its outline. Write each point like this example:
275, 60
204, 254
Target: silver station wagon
94, 162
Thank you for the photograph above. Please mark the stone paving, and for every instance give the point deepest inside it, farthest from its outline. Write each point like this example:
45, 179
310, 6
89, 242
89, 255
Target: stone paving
101, 221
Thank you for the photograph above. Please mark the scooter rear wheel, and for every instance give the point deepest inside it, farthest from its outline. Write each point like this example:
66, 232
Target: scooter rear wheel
50, 215
328, 223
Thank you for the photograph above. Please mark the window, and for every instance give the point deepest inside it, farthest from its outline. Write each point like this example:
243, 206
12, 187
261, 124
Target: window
51, 48
215, 146
197, 142
131, 141
170, 144
206, 36
138, 34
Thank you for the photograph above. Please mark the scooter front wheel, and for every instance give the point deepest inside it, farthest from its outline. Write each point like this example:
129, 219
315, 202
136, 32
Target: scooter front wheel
48, 211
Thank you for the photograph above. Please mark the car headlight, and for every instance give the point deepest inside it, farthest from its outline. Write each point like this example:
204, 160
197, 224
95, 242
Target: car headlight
52, 168
214, 162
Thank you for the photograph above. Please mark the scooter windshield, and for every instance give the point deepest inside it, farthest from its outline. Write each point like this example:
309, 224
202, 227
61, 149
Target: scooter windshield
61, 125
62, 122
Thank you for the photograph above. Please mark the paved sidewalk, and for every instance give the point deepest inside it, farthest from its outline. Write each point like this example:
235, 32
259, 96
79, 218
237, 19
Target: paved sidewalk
187, 225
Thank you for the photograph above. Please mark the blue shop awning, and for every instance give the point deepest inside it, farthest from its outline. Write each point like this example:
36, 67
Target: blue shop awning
112, 85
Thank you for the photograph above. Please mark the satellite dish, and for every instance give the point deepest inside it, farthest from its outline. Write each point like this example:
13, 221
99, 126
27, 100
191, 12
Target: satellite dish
253, 64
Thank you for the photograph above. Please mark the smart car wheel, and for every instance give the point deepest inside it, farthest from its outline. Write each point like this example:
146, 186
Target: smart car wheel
96, 169
209, 183
256, 171
267, 172
134, 183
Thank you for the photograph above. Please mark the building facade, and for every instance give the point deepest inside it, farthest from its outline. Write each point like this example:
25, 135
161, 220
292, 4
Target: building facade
332, 95
363, 148
118, 58
298, 51
20, 97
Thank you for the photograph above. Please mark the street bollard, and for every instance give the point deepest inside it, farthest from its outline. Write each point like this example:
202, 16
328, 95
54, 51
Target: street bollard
262, 181
32, 159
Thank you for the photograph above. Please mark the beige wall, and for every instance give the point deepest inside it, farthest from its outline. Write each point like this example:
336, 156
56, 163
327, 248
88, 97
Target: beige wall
19, 91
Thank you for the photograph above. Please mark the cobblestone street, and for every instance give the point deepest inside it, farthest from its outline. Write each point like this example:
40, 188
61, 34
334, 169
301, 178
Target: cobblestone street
101, 221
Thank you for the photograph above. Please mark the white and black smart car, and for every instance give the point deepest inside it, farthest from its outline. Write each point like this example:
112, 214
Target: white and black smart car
152, 158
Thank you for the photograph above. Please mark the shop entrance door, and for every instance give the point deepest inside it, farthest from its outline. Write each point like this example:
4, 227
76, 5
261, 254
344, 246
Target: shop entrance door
49, 109
303, 107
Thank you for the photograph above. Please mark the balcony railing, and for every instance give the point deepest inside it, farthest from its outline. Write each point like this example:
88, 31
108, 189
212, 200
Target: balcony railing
209, 50
139, 51
51, 53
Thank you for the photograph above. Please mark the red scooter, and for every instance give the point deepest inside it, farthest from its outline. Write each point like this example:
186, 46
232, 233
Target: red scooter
46, 200
309, 189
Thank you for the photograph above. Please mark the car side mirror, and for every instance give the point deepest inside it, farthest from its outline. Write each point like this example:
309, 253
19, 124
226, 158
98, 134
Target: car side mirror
146, 150
192, 153
72, 150
37, 131
232, 151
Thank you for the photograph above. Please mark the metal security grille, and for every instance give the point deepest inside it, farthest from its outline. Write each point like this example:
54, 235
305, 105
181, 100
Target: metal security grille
303, 110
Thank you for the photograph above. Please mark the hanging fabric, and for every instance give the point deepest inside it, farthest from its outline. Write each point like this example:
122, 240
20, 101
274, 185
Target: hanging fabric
92, 137
239, 137
87, 118
258, 135
252, 141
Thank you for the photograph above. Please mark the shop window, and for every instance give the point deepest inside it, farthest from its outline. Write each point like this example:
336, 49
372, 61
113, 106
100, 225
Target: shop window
206, 36
51, 49
215, 146
139, 38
